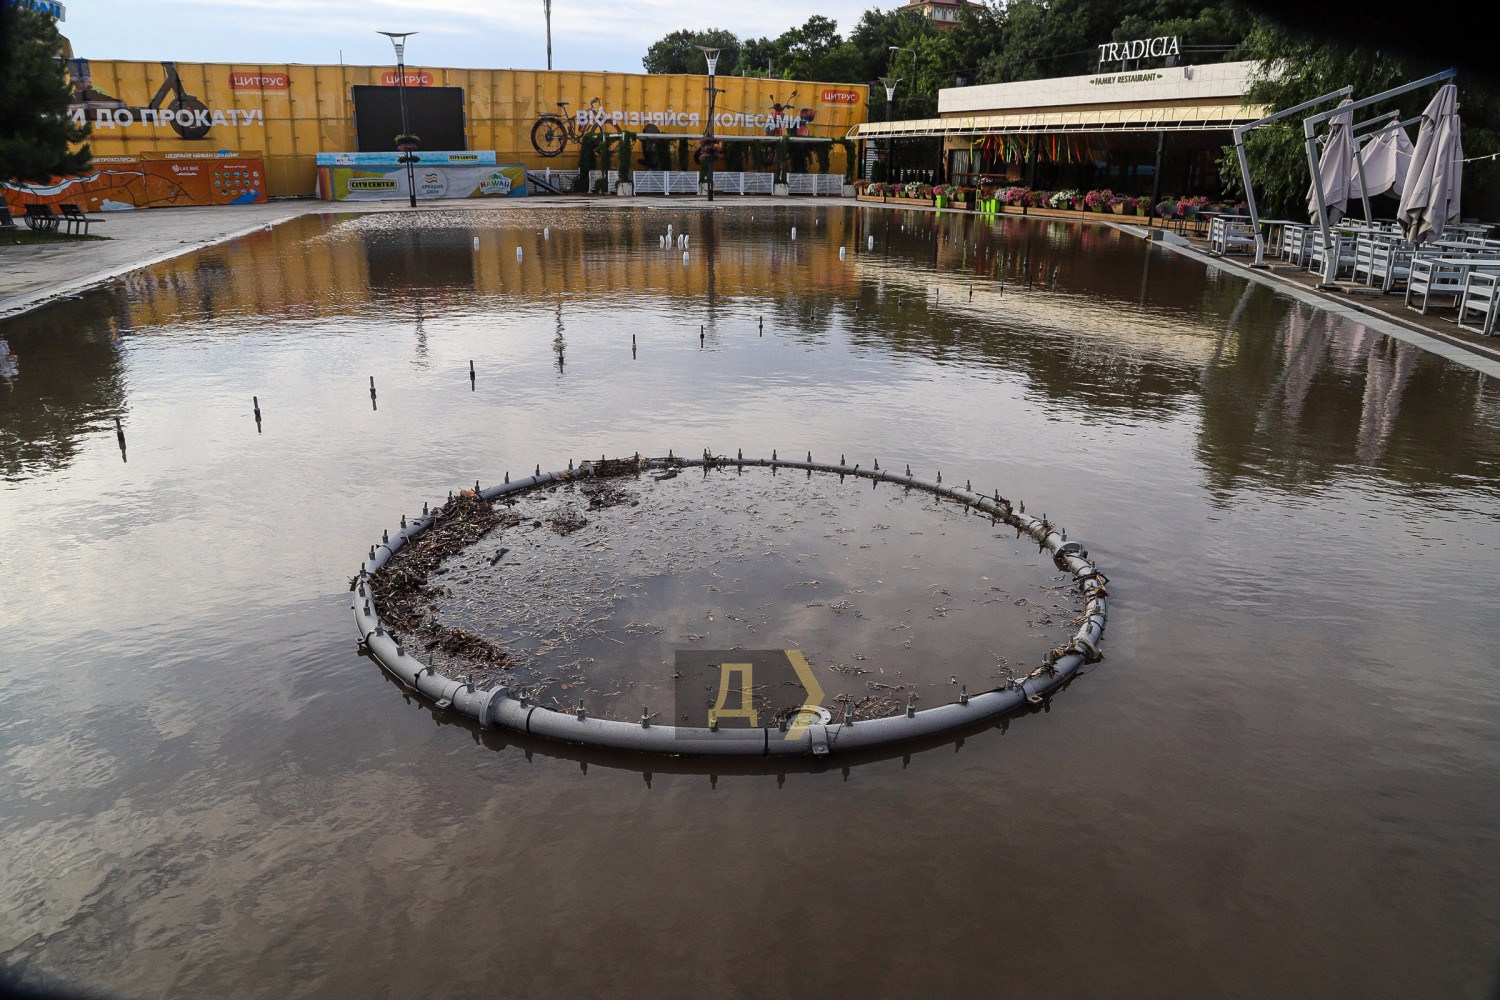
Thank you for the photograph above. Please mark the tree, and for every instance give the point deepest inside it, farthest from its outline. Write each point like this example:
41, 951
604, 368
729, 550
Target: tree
1296, 68
677, 52
36, 134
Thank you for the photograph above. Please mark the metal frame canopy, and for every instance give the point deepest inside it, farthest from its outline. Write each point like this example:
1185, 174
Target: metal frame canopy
1310, 130
1195, 118
501, 706
1363, 133
1239, 149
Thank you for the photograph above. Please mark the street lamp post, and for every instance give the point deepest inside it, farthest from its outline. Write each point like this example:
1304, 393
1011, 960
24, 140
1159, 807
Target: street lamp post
890, 106
547, 13
902, 48
398, 39
712, 55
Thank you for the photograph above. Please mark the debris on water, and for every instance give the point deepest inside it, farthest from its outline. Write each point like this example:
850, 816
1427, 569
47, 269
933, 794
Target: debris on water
597, 581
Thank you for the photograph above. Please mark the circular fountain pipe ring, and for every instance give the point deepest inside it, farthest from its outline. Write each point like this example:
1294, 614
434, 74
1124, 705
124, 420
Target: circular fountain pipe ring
501, 707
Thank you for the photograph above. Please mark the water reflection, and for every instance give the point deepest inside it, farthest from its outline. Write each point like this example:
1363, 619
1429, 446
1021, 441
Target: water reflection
196, 767
62, 379
1091, 319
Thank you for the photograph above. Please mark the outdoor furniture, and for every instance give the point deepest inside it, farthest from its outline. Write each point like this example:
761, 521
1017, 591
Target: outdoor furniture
41, 218
75, 219
1276, 234
1296, 241
1481, 297
1231, 234
1343, 249
1389, 262
1432, 276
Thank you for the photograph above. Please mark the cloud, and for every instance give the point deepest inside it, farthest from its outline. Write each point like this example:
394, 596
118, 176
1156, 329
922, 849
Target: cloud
586, 34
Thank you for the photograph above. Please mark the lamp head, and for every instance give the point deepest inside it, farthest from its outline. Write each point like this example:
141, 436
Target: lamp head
711, 54
890, 86
398, 39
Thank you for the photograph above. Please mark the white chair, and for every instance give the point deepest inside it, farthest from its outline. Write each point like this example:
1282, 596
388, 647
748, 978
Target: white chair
1481, 298
1432, 276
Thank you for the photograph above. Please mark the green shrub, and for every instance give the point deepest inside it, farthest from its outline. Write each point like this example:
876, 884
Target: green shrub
821, 151
627, 162
851, 160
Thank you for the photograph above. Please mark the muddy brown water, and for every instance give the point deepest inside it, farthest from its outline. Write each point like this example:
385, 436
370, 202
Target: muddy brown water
588, 590
1284, 779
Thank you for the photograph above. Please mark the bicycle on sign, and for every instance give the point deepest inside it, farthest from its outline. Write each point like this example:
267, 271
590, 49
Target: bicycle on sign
552, 132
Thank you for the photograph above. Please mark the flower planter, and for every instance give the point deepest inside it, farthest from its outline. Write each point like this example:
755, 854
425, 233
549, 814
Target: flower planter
1118, 209
878, 199
941, 201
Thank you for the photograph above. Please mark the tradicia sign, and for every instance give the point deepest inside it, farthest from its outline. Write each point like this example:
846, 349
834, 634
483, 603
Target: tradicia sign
1141, 48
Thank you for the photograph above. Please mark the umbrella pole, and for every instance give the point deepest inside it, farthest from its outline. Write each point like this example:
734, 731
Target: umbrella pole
1260, 242
1239, 144
1364, 189
1330, 259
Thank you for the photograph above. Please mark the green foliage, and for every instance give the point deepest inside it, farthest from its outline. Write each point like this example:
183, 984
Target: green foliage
605, 146
783, 151
851, 160
1296, 68
821, 151
627, 164
36, 133
676, 53
684, 155
588, 160
1018, 40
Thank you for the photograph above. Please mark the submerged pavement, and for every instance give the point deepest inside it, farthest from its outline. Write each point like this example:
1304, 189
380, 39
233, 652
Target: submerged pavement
35, 274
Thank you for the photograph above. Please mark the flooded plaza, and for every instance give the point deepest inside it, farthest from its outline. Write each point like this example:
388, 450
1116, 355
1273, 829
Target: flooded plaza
1281, 780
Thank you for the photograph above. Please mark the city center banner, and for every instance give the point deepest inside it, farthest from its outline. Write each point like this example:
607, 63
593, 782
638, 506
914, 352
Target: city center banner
379, 177
535, 118
152, 179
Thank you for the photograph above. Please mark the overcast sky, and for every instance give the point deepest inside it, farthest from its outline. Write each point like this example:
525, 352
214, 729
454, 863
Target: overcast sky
586, 34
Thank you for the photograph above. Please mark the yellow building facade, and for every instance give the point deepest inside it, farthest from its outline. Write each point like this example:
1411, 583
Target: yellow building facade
289, 113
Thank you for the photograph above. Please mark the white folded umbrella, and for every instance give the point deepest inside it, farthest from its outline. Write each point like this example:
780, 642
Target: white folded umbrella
1336, 168
1430, 200
1385, 160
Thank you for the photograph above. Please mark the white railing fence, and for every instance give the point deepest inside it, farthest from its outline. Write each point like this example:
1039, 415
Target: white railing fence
670, 182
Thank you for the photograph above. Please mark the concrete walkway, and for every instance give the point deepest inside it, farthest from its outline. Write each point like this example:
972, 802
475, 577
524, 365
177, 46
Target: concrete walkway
31, 275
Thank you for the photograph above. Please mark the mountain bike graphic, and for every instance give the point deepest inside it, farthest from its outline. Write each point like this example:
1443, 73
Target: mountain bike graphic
552, 132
